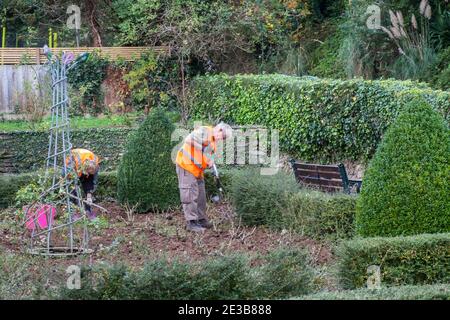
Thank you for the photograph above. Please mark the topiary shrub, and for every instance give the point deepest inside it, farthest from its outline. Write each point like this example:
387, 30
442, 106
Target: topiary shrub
146, 175
405, 189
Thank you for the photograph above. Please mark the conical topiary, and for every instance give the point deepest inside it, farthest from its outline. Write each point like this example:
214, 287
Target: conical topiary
146, 175
406, 186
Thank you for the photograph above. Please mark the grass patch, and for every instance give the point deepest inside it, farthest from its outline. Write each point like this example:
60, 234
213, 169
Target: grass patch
127, 120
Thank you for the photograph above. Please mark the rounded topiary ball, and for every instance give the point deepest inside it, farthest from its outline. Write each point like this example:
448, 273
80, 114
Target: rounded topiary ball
146, 174
406, 186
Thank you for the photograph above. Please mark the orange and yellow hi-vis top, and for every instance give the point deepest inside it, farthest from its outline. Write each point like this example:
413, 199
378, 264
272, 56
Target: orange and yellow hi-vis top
80, 156
191, 157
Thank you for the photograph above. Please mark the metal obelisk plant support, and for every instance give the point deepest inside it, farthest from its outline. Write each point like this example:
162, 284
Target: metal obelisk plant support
65, 229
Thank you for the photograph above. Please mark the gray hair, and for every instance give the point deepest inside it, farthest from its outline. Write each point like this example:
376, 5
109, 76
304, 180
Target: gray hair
225, 128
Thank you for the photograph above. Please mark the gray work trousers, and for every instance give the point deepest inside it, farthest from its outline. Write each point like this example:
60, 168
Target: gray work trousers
192, 195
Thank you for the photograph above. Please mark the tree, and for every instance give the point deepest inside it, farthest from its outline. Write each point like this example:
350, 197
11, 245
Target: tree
146, 176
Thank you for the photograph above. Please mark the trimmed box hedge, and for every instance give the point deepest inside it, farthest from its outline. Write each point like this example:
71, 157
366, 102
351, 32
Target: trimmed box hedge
411, 260
321, 215
26, 151
281, 273
425, 292
278, 202
318, 119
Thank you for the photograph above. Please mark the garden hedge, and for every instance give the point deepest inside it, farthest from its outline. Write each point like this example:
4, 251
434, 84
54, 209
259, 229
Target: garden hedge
282, 273
27, 150
406, 186
409, 260
425, 292
318, 119
278, 202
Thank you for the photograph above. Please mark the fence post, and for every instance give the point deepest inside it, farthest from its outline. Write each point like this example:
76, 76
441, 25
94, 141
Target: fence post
50, 41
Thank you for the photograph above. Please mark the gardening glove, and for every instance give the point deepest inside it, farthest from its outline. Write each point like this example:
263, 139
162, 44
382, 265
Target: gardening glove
89, 198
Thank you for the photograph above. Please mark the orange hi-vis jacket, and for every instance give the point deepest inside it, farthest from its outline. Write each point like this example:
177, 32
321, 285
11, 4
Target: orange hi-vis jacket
80, 156
193, 159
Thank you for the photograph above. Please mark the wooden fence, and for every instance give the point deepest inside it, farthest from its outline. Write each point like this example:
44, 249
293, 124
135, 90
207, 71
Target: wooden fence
11, 56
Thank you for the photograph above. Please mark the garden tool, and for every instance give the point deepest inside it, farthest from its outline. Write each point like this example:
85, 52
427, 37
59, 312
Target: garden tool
217, 198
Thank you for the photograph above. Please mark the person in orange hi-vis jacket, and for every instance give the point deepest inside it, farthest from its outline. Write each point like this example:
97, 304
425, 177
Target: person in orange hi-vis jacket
86, 166
193, 158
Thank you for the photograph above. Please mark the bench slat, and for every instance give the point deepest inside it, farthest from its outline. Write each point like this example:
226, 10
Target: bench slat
317, 167
314, 173
321, 182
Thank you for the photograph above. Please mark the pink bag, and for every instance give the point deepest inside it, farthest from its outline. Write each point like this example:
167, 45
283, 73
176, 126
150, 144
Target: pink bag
40, 214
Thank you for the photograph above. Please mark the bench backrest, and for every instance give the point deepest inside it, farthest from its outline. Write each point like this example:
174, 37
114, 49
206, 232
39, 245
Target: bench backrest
329, 178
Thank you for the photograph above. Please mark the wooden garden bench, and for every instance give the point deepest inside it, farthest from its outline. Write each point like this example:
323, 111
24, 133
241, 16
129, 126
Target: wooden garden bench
328, 178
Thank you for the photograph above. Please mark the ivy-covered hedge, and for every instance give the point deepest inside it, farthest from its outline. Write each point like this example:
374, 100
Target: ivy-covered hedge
27, 150
411, 260
425, 292
318, 119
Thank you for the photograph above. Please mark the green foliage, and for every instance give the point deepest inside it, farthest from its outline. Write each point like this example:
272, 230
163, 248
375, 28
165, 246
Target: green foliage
227, 277
438, 74
27, 150
320, 215
154, 81
425, 292
86, 78
14, 272
146, 174
277, 202
406, 188
325, 59
107, 186
421, 259
318, 120
9, 185
259, 199
285, 271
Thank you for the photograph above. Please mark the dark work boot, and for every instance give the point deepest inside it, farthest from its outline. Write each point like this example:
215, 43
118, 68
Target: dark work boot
194, 226
205, 223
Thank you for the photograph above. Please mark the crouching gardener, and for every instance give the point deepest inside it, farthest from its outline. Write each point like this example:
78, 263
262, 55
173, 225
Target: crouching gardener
196, 155
86, 165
